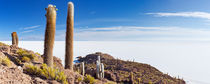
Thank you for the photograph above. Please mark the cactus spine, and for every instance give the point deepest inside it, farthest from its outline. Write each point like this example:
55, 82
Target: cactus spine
69, 37
83, 68
49, 35
14, 39
99, 69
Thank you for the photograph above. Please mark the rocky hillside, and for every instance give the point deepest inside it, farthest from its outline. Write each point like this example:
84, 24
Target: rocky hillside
120, 71
21, 66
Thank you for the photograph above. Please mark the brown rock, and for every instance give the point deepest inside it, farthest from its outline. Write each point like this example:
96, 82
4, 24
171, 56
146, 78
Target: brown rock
109, 75
37, 80
5, 49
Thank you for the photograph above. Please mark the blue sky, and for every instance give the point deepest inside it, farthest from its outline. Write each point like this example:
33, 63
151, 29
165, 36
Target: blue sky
110, 20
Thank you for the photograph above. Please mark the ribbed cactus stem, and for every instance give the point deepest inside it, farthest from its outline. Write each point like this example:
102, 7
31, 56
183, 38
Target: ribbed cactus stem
83, 68
14, 39
97, 69
99, 59
69, 37
49, 35
131, 78
102, 70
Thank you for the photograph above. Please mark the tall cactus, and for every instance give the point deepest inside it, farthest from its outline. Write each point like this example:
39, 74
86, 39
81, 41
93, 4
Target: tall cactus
69, 37
14, 39
49, 35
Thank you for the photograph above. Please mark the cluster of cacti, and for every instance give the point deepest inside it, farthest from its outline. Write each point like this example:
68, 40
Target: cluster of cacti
14, 39
99, 69
69, 37
49, 35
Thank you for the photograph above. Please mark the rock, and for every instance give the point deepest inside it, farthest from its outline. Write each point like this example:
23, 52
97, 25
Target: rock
38, 80
5, 49
13, 76
20, 68
58, 63
70, 76
1, 54
109, 75
53, 82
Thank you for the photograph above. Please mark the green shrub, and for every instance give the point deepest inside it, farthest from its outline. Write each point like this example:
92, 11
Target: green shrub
89, 79
150, 82
25, 59
79, 79
5, 61
38, 53
25, 53
47, 72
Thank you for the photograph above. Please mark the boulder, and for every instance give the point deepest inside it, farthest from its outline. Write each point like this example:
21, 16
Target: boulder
109, 75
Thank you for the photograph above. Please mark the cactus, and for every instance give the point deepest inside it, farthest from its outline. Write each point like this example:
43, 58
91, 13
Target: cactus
69, 37
102, 70
49, 35
131, 78
14, 39
83, 68
99, 68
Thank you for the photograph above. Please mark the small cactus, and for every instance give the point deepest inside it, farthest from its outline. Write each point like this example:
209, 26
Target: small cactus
102, 70
99, 69
83, 68
131, 78
69, 37
49, 35
14, 39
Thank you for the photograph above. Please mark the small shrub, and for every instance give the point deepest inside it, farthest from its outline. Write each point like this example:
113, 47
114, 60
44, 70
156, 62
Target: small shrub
25, 59
25, 53
22, 52
33, 70
89, 79
79, 79
38, 53
150, 82
47, 72
5, 61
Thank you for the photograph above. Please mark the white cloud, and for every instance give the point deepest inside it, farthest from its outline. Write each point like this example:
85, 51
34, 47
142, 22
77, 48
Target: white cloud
141, 33
132, 33
204, 15
32, 27
27, 31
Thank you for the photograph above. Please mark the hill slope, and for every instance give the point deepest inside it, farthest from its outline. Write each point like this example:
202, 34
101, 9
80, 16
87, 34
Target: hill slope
119, 70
